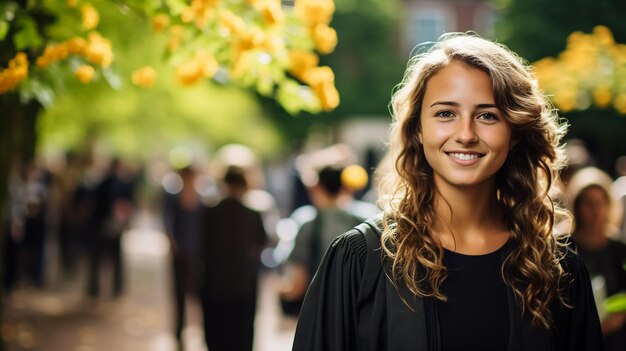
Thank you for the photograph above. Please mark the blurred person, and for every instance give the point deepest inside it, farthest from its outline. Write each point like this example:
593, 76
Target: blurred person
464, 256
14, 226
69, 191
182, 214
114, 206
35, 225
232, 238
594, 227
314, 236
618, 188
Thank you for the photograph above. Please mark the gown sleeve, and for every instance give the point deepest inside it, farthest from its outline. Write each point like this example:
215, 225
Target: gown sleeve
584, 329
328, 318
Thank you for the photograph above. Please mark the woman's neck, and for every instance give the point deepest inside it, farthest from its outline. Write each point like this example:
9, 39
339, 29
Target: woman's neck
469, 219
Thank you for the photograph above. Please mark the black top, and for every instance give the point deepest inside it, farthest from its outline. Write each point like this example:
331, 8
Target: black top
232, 238
609, 262
352, 305
476, 314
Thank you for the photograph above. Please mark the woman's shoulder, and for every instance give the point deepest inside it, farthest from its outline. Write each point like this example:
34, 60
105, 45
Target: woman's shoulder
355, 241
351, 243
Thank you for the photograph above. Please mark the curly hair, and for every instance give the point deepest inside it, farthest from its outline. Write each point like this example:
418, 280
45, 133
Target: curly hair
524, 183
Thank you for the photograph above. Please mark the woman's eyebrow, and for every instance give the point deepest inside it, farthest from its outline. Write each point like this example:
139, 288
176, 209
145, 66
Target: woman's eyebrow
456, 104
446, 103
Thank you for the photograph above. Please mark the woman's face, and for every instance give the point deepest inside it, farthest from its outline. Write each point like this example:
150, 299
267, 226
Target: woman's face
466, 138
593, 207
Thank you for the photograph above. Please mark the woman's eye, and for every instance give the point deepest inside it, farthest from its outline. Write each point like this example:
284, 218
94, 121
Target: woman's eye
490, 117
444, 114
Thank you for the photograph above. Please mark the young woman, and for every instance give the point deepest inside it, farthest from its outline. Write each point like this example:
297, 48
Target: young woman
467, 259
593, 208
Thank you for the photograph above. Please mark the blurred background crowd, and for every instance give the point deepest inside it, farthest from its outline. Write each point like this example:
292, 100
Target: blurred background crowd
157, 192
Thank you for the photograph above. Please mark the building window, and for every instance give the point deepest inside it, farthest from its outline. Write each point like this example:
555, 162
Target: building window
426, 25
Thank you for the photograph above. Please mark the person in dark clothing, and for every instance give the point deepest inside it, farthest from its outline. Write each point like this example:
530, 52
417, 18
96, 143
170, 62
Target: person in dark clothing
464, 256
182, 213
232, 239
113, 209
605, 257
315, 236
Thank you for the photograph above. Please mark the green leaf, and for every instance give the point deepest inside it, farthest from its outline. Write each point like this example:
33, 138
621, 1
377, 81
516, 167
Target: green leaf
27, 35
615, 303
4, 29
7, 10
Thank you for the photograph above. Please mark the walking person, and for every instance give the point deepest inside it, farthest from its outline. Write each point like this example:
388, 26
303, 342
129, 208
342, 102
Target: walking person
232, 239
315, 236
182, 218
464, 256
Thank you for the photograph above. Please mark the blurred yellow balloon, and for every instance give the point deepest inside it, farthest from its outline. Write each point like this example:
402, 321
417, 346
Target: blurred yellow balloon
354, 177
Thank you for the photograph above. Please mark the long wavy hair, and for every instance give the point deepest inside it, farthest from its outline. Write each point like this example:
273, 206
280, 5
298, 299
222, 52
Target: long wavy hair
524, 183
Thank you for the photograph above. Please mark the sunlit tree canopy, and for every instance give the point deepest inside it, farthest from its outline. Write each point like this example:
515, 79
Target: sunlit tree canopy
591, 70
261, 45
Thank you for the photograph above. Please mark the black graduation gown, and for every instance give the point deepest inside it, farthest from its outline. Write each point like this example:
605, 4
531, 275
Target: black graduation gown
352, 305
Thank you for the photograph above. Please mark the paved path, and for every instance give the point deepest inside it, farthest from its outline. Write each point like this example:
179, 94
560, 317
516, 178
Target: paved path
62, 319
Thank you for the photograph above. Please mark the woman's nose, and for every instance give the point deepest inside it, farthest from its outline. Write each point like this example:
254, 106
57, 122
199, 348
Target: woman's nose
465, 133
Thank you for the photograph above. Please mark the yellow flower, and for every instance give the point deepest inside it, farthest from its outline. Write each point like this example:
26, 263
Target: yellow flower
322, 82
240, 64
232, 22
189, 73
90, 17
99, 50
144, 77
251, 39
200, 11
325, 38
76, 45
203, 65
315, 12
565, 99
602, 96
318, 76
176, 35
53, 53
15, 73
274, 44
187, 15
301, 62
604, 35
574, 38
84, 73
271, 11
328, 96
160, 22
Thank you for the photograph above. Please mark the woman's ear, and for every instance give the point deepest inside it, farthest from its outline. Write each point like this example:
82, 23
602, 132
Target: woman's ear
419, 137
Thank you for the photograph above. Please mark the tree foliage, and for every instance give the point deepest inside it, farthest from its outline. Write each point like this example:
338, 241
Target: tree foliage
256, 44
538, 28
591, 70
584, 75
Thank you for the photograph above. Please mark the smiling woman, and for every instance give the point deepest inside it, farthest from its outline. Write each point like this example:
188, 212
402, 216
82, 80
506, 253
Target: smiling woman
464, 256
466, 139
